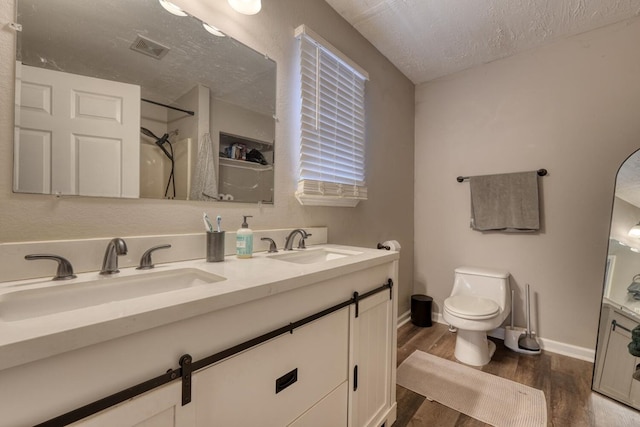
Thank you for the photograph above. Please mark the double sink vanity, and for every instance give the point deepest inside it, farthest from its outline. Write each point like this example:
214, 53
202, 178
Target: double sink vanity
301, 338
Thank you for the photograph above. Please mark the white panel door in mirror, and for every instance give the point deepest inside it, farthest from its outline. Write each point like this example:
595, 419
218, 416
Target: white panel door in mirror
76, 135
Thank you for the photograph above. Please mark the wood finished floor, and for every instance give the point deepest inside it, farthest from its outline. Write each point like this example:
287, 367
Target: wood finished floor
566, 383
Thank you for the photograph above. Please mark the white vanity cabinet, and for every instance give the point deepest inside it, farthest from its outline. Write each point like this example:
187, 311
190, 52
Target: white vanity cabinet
330, 411
337, 368
276, 382
373, 358
158, 408
615, 366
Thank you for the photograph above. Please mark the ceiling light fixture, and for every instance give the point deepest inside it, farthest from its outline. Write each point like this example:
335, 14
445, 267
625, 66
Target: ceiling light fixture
172, 8
213, 30
246, 7
635, 230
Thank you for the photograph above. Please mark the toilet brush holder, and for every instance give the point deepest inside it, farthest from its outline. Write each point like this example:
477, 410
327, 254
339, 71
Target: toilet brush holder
511, 337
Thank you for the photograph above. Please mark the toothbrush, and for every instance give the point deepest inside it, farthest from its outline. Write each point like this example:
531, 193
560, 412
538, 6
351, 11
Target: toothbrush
207, 222
218, 222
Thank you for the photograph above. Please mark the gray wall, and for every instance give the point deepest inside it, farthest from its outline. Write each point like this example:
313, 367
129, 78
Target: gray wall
570, 107
388, 214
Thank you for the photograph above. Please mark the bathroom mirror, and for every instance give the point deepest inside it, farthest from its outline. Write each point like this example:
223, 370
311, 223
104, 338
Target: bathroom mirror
620, 310
121, 98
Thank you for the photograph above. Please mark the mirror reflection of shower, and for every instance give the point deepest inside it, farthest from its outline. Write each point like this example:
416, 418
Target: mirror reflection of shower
162, 142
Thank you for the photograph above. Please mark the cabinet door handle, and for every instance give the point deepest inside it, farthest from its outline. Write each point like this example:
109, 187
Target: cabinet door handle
355, 378
615, 324
286, 380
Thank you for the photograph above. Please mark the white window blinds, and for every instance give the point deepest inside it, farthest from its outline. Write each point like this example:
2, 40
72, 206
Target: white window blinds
332, 168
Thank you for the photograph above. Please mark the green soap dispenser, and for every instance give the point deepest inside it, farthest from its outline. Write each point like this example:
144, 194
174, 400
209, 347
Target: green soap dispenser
244, 240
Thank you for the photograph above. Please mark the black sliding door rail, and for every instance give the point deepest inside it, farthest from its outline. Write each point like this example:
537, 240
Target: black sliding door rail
187, 366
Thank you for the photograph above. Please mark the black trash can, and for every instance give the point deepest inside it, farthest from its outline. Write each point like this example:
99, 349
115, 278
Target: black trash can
421, 310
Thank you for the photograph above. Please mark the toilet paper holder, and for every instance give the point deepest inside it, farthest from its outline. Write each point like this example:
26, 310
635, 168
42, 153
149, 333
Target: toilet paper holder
389, 245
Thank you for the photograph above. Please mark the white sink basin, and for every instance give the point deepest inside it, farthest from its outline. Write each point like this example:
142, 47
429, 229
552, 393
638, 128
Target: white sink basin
316, 255
61, 297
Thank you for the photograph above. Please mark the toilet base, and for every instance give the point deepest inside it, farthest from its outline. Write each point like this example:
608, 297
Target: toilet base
473, 348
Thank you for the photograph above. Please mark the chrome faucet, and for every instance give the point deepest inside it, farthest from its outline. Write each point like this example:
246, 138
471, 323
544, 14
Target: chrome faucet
288, 245
116, 247
272, 245
145, 261
65, 270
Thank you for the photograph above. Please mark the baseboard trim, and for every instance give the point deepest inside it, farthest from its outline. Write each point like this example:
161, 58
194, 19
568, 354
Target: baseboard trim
569, 350
404, 318
582, 353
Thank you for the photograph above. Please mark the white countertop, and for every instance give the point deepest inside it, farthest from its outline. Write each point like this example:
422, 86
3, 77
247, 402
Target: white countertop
23, 341
632, 313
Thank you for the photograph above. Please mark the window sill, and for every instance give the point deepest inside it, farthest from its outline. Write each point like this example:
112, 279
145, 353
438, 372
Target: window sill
330, 201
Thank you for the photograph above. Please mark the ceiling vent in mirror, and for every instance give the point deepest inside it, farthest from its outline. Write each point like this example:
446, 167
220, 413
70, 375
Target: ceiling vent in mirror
149, 47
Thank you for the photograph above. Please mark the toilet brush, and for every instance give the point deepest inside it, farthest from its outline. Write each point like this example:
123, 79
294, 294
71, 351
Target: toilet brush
526, 340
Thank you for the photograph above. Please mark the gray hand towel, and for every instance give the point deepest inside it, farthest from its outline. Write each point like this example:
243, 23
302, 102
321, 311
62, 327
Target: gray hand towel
507, 202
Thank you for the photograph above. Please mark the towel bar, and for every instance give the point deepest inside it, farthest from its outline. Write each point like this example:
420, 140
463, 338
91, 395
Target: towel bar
541, 172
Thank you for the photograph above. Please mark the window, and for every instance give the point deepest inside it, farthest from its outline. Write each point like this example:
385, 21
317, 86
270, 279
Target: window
332, 128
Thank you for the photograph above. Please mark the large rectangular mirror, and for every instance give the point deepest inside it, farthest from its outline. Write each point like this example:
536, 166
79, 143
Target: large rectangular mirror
120, 98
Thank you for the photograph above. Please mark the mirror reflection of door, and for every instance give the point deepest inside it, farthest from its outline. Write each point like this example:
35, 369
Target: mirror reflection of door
84, 129
620, 310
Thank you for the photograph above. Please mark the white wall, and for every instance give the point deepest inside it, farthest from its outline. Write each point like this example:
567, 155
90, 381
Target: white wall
388, 214
624, 216
571, 107
236, 120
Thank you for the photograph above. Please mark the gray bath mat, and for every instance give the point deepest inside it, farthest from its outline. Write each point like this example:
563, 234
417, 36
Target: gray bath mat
485, 397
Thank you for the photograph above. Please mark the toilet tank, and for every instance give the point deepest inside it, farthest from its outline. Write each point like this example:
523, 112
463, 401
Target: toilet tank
483, 282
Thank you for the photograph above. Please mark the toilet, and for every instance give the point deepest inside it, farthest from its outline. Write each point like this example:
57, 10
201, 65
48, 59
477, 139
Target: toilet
479, 302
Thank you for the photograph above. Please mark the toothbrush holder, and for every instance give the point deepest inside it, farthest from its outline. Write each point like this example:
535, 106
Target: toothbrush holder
215, 246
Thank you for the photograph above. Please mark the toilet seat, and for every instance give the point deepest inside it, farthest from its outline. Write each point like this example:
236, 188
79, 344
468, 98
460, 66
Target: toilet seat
471, 307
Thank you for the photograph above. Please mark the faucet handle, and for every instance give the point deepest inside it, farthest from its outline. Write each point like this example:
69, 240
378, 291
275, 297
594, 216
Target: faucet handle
272, 245
145, 260
301, 244
65, 269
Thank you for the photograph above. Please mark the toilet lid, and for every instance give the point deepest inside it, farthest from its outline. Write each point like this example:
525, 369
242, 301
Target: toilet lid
471, 306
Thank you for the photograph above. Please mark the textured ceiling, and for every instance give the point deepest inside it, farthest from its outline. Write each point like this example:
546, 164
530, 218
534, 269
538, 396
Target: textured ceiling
427, 39
628, 180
